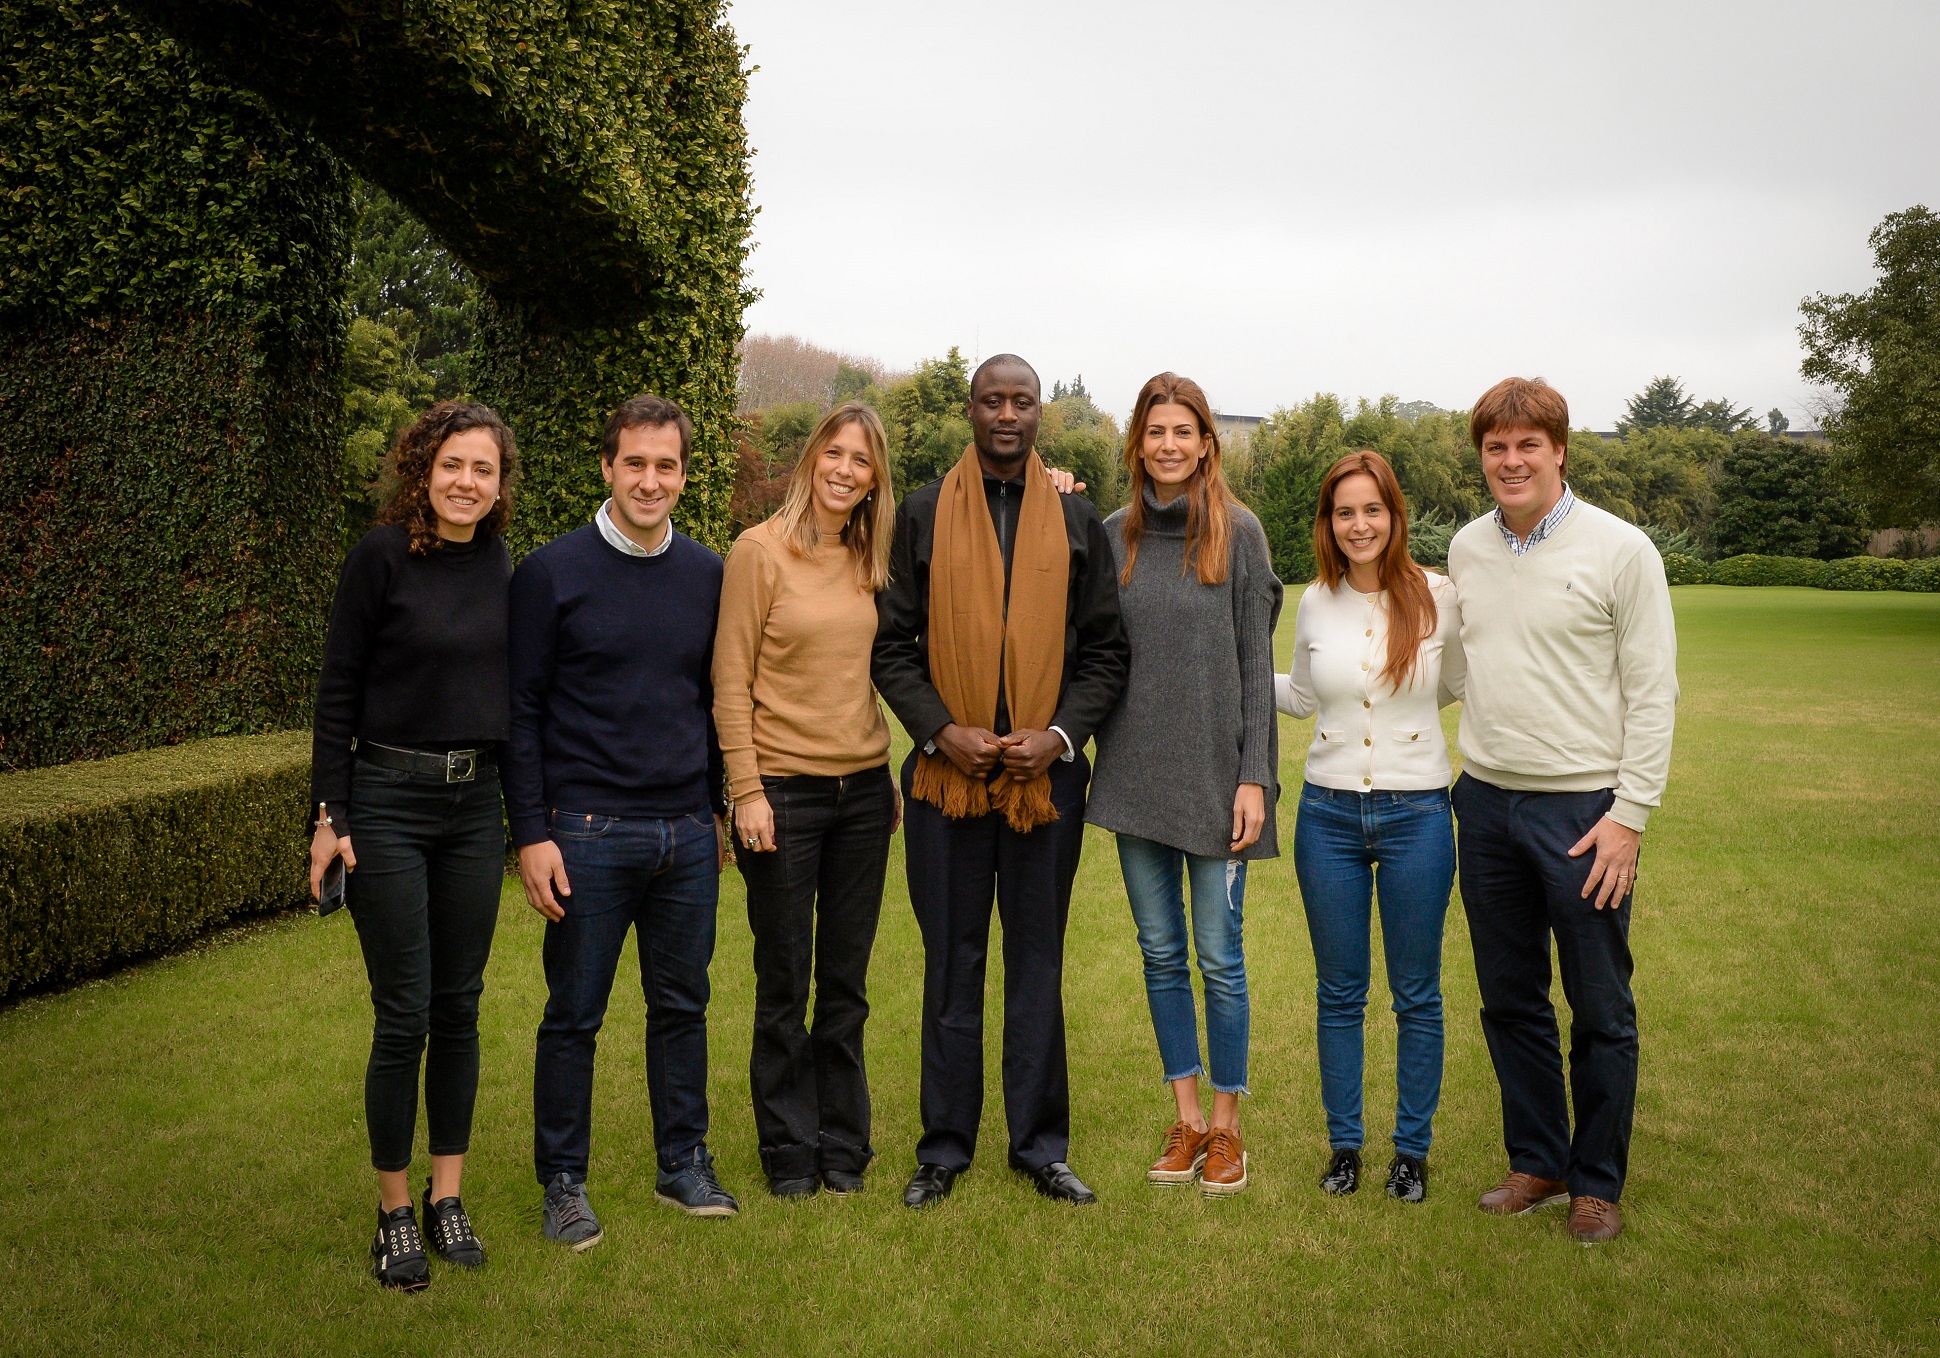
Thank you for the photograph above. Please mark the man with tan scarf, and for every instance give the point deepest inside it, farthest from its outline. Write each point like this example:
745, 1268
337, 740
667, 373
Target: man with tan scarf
999, 647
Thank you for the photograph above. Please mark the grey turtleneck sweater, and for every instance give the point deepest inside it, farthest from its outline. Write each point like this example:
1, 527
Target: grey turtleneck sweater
1197, 718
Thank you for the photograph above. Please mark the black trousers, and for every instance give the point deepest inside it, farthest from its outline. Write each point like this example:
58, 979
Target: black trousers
430, 864
813, 904
1519, 888
956, 869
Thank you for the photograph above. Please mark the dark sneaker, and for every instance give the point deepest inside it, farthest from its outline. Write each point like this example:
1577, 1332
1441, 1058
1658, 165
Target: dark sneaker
397, 1255
692, 1187
805, 1187
451, 1231
840, 1183
569, 1215
1343, 1174
1407, 1178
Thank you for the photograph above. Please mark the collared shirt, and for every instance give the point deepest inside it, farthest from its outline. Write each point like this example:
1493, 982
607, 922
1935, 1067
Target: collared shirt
620, 542
1542, 530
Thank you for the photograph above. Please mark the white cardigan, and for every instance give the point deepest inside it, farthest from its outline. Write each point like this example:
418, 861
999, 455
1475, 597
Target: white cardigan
1370, 738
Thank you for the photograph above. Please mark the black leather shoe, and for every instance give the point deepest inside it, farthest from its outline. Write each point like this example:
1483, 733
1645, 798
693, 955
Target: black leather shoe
1343, 1174
841, 1182
803, 1187
1056, 1180
930, 1183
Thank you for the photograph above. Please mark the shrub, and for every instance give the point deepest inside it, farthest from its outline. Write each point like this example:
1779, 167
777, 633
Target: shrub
1681, 568
1922, 576
106, 861
1865, 572
1769, 570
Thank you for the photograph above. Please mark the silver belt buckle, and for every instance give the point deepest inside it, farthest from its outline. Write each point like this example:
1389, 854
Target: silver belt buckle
469, 760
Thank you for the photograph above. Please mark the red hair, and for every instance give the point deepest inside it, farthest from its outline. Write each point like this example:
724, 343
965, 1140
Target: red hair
1411, 604
1209, 500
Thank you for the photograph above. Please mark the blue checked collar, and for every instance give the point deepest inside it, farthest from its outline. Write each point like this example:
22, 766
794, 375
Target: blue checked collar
1542, 530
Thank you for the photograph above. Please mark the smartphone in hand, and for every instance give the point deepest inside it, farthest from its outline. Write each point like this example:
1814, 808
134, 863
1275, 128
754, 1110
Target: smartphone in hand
330, 894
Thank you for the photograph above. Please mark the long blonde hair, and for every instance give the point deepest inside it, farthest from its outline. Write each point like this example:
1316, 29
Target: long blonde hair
1209, 500
871, 524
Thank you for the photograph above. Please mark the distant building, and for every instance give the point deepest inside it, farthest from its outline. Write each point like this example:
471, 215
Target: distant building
1236, 430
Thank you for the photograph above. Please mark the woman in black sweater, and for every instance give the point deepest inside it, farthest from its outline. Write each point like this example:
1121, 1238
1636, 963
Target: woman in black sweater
411, 713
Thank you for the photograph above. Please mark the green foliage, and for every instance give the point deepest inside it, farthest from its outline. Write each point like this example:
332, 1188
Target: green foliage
1922, 576
1879, 352
1866, 572
1751, 569
106, 861
1663, 404
403, 279
1681, 568
924, 417
1080, 438
1429, 537
170, 342
1777, 497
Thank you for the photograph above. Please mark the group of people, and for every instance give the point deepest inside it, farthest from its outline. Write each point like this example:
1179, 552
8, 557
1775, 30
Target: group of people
639, 700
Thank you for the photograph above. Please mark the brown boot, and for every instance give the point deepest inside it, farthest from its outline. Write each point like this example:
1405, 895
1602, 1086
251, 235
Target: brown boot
1225, 1171
1593, 1221
1185, 1152
1520, 1194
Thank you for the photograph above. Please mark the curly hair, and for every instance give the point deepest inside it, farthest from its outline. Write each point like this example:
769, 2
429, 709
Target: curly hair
407, 471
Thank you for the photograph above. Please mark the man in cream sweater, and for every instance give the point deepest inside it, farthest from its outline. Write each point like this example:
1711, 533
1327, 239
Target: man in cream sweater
1566, 741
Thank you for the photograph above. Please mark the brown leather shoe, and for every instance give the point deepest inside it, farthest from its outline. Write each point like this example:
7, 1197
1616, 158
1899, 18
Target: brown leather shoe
1225, 1171
1185, 1152
1593, 1221
1520, 1194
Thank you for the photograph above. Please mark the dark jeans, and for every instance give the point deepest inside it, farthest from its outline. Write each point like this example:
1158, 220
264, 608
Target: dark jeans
1347, 846
1520, 886
430, 864
661, 875
813, 904
956, 867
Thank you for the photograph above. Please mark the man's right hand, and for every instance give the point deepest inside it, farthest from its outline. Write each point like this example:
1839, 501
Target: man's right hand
543, 872
972, 749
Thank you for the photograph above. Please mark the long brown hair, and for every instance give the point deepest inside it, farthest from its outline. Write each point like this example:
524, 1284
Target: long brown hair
1411, 603
1209, 500
407, 471
867, 533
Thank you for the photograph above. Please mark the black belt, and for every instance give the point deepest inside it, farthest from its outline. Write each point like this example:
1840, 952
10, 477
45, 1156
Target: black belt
454, 766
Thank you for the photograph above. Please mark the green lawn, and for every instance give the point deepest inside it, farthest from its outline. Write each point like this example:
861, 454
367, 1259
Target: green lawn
189, 1168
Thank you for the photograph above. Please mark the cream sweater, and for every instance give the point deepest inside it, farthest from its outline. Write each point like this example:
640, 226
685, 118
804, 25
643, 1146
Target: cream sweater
1369, 737
1572, 661
791, 665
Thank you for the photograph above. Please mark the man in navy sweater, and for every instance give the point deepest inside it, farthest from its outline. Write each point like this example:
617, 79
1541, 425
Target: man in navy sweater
615, 795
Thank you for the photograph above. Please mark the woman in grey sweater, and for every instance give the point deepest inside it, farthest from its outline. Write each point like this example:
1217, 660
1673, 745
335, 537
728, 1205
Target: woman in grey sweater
1187, 767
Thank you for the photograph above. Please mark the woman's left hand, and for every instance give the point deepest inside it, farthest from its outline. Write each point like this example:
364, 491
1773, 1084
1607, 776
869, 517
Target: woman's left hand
1249, 816
1063, 482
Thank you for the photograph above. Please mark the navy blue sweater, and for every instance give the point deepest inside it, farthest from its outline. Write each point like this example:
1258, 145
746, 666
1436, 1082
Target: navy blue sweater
612, 705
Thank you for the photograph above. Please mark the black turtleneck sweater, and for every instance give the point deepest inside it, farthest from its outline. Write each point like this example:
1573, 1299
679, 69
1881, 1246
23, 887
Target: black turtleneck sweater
415, 655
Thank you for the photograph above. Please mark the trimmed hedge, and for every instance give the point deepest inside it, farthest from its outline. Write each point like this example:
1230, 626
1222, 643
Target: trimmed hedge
1682, 569
1923, 576
1769, 570
1865, 572
117, 859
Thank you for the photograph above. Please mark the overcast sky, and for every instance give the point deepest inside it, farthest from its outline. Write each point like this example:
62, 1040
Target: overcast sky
1416, 196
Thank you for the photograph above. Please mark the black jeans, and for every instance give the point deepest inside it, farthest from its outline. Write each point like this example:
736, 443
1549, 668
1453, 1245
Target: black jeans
956, 867
813, 904
430, 864
1520, 886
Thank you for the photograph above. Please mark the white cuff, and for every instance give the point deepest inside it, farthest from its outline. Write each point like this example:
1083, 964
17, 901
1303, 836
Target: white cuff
1070, 750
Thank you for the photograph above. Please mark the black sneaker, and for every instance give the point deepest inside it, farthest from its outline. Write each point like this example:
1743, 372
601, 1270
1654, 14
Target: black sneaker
805, 1187
569, 1215
1343, 1174
840, 1183
692, 1187
1407, 1178
397, 1255
451, 1231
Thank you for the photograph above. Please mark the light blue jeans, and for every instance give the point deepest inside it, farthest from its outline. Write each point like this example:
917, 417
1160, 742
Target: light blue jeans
1154, 883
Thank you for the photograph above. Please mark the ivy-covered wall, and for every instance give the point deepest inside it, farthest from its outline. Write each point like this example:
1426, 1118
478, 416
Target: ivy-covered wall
170, 356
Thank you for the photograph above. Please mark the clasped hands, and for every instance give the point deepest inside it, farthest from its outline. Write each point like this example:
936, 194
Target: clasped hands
1024, 754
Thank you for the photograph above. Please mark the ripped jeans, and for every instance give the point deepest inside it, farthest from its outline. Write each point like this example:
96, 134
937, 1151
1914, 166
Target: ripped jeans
1154, 884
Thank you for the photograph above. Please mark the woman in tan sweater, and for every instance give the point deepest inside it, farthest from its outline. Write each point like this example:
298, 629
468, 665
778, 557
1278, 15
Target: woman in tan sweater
807, 754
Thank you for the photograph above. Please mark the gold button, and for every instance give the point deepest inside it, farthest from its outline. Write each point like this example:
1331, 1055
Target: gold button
1415, 736
1367, 780
1364, 664
1368, 741
1366, 703
1370, 631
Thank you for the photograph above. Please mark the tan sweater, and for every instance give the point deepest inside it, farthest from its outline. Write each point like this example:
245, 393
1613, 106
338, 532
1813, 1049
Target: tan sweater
791, 665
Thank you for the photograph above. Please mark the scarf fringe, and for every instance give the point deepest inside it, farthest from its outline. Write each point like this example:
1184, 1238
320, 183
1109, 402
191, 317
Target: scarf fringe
941, 784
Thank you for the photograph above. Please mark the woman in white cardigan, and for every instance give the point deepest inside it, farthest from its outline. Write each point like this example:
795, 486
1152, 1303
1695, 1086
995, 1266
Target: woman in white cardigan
1377, 652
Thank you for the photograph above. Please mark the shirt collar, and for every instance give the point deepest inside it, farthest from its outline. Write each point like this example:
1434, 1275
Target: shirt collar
1542, 530
619, 541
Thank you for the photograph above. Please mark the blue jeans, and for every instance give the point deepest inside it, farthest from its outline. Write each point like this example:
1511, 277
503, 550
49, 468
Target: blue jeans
663, 876
1343, 843
1154, 884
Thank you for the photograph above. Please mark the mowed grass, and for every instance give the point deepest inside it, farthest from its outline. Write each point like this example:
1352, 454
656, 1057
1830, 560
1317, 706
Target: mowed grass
186, 1167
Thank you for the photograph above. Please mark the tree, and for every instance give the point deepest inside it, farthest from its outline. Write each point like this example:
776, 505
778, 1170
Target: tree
1775, 421
1778, 498
926, 421
1662, 404
1292, 451
1084, 441
1879, 352
1721, 417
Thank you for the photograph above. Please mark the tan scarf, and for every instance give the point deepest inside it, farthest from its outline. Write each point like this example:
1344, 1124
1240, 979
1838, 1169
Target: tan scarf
971, 636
